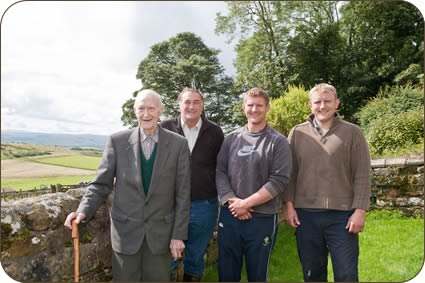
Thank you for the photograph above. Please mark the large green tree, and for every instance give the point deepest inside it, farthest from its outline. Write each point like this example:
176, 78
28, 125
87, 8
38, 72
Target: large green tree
184, 61
383, 40
316, 49
358, 46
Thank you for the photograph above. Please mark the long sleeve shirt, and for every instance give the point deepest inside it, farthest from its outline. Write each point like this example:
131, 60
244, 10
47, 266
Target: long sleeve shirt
247, 162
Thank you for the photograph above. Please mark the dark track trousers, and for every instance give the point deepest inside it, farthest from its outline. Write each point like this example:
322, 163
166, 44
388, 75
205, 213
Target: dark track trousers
323, 233
251, 240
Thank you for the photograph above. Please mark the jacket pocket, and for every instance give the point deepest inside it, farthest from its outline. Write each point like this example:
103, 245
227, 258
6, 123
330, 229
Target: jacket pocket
119, 217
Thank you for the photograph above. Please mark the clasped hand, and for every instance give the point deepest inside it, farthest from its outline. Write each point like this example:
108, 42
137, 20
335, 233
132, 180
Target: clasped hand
238, 209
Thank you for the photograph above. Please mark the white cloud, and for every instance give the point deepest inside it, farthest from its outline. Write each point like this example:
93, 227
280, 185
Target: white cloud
69, 66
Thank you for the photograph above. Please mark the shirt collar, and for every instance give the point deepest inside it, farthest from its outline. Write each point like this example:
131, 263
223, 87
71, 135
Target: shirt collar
143, 136
315, 124
197, 126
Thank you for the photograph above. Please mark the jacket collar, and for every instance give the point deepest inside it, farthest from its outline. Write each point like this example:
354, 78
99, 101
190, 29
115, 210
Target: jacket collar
335, 122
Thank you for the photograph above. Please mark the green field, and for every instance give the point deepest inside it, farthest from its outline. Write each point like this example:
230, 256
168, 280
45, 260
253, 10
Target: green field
391, 250
30, 183
86, 159
72, 161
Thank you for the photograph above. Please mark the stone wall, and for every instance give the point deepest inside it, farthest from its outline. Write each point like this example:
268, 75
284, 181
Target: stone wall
35, 246
398, 184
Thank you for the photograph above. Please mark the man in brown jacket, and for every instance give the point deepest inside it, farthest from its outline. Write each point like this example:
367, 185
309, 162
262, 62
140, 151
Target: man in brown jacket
329, 190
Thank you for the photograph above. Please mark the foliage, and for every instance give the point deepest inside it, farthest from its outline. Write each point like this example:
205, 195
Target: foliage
390, 100
11, 151
238, 116
184, 61
378, 48
260, 56
408, 151
128, 118
393, 121
413, 74
385, 232
289, 110
342, 43
254, 67
393, 131
317, 48
88, 151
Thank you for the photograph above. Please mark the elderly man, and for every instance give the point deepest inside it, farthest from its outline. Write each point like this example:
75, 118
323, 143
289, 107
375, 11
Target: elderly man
253, 169
148, 171
330, 189
204, 139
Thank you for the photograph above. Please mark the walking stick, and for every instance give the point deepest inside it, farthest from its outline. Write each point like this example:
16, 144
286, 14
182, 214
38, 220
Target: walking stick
76, 240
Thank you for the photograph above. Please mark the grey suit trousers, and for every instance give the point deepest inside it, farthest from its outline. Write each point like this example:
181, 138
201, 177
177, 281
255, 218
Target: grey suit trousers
142, 266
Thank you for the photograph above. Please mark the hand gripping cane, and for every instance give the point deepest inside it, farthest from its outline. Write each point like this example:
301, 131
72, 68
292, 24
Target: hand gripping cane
76, 240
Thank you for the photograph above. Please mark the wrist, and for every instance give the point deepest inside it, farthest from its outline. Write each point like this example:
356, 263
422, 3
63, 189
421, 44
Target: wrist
244, 204
360, 210
289, 204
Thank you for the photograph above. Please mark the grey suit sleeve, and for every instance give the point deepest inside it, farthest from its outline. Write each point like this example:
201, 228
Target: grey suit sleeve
100, 188
182, 213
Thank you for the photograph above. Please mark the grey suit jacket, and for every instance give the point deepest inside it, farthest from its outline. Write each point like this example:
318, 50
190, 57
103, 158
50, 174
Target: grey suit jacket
159, 216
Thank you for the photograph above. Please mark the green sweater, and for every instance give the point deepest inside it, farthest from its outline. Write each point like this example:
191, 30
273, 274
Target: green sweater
147, 168
330, 171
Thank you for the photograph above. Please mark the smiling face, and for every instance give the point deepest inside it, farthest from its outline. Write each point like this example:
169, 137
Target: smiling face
255, 109
191, 105
323, 105
147, 109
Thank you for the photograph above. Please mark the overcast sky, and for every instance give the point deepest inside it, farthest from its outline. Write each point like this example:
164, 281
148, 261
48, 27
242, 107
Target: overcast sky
67, 67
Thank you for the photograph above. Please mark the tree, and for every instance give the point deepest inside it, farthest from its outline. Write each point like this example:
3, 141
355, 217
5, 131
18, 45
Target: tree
184, 61
261, 56
358, 46
383, 38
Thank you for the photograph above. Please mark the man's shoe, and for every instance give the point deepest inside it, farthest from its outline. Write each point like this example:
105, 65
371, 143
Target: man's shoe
191, 278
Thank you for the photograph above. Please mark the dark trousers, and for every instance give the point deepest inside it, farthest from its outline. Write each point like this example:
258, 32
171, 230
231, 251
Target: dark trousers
250, 239
322, 233
141, 267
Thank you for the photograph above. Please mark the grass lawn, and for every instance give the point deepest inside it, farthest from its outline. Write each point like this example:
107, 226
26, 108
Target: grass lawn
30, 183
72, 161
391, 250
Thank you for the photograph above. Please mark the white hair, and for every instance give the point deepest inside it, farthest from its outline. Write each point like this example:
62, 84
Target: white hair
145, 93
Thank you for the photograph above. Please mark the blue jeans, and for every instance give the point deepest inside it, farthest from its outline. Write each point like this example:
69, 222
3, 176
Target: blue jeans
321, 233
203, 218
250, 239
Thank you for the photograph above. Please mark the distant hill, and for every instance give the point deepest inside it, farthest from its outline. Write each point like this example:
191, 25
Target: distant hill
64, 140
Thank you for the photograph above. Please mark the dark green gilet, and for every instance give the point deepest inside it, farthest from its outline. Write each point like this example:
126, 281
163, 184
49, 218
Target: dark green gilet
147, 168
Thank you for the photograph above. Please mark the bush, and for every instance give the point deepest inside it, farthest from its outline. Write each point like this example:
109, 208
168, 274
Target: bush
289, 110
392, 132
390, 100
